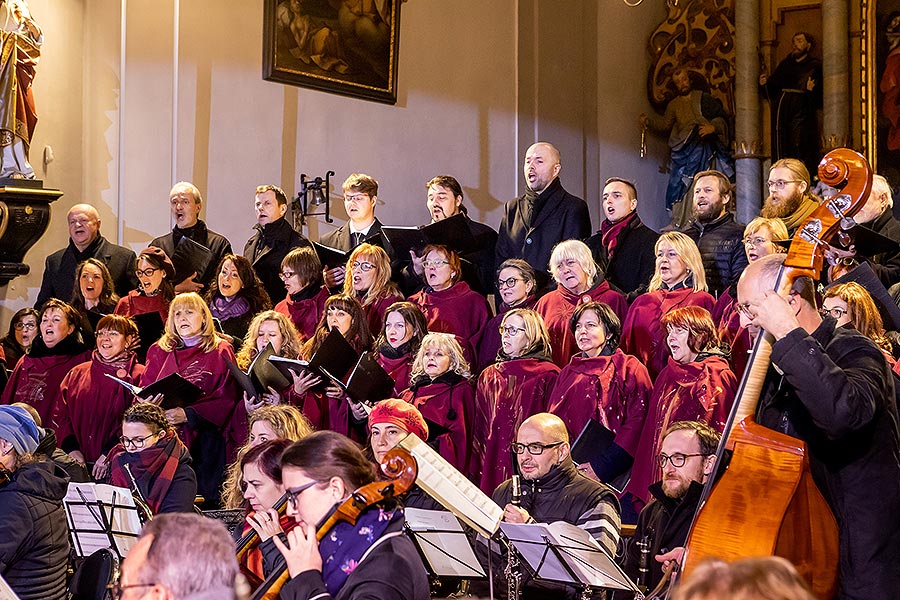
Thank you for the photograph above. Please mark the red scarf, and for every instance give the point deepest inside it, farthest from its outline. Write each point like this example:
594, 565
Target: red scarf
153, 468
611, 232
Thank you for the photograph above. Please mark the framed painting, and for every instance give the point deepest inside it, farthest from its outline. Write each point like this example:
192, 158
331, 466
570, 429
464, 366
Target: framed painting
881, 86
345, 47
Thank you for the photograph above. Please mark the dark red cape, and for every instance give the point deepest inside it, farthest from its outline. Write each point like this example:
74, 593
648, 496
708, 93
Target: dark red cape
450, 407
35, 381
457, 310
375, 313
304, 314
135, 303
558, 306
507, 393
399, 369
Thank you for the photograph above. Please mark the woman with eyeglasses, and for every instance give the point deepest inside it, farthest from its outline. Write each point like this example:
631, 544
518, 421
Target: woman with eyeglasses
696, 385
762, 237
268, 423
369, 559
94, 295
515, 387
23, 328
398, 344
89, 413
578, 281
235, 296
369, 281
155, 271
679, 280
604, 384
57, 350
516, 285
330, 407
441, 387
851, 305
159, 462
304, 304
191, 347
448, 303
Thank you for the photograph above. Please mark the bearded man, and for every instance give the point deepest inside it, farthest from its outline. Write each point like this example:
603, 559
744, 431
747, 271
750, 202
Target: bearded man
790, 198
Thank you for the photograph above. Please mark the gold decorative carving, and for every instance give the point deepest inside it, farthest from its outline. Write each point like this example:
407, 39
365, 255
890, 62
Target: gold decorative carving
698, 35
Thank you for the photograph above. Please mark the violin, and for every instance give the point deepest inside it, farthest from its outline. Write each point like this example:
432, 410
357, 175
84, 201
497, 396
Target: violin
250, 540
398, 466
765, 502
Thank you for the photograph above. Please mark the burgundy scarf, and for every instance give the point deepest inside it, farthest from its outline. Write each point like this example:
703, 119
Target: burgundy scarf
153, 468
611, 232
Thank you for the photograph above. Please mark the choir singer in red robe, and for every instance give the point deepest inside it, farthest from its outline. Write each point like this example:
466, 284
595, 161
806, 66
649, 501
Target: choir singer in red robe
515, 387
578, 281
304, 304
369, 281
155, 272
398, 344
696, 385
516, 285
604, 384
679, 280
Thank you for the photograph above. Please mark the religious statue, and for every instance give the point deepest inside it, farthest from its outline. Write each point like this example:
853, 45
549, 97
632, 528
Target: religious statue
21, 39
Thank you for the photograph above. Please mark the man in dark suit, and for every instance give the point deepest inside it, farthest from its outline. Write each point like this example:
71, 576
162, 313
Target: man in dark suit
186, 202
360, 197
273, 239
542, 217
85, 242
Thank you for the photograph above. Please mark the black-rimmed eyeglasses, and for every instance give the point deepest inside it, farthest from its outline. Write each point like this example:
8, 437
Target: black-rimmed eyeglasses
117, 589
293, 493
678, 459
534, 449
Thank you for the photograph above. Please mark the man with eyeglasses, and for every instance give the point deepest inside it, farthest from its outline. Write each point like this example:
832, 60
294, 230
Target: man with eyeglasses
85, 241
272, 240
360, 197
623, 248
686, 459
181, 556
790, 198
832, 387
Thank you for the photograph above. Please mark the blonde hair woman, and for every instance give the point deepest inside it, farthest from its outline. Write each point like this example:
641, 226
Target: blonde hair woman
369, 281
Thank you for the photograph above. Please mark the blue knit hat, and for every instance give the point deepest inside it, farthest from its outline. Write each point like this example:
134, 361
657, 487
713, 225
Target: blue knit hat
19, 429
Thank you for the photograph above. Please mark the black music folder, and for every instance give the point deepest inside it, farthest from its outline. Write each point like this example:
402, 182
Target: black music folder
261, 375
190, 257
368, 382
333, 360
177, 391
332, 257
452, 232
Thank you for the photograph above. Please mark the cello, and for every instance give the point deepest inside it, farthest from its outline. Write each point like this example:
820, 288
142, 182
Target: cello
398, 465
769, 469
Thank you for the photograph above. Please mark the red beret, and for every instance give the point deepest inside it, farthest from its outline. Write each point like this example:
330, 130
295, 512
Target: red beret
159, 257
400, 413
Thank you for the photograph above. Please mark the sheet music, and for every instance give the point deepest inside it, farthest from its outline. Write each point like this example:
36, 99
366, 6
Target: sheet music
451, 488
443, 541
531, 543
586, 557
90, 506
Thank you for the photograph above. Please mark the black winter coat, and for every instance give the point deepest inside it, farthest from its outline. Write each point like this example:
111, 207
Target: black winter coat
632, 267
886, 264
34, 537
59, 269
722, 249
267, 248
218, 245
837, 395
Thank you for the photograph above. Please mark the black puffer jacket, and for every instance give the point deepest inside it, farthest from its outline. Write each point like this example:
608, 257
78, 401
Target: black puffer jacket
722, 248
34, 538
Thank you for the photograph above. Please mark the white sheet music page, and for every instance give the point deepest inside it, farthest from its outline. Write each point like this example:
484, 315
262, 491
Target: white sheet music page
443, 542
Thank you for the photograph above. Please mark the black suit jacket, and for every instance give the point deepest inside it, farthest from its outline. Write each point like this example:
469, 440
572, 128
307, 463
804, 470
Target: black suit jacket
212, 240
59, 269
339, 239
269, 245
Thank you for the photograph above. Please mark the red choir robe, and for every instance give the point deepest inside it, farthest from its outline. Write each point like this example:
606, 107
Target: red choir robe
135, 303
490, 342
457, 310
614, 391
399, 369
91, 405
643, 335
702, 390
375, 313
558, 306
38, 374
305, 314
447, 402
508, 392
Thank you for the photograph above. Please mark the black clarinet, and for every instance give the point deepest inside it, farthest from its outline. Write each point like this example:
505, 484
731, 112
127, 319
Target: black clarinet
144, 511
513, 577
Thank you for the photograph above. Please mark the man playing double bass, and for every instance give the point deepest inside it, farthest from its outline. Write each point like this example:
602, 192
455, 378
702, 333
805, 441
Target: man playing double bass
832, 388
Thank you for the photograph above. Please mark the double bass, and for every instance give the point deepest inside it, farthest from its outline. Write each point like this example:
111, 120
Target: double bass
765, 502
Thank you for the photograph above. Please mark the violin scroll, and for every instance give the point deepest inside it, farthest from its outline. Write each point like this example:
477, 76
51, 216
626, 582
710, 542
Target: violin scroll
400, 466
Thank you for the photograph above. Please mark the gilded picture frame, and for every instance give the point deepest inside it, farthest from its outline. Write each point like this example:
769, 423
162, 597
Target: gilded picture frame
881, 86
347, 47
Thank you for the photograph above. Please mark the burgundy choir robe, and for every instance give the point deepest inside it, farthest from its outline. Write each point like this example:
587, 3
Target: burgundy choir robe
728, 320
91, 406
457, 310
375, 313
643, 335
558, 306
702, 390
399, 369
450, 406
35, 381
613, 390
508, 392
304, 314
490, 343
135, 303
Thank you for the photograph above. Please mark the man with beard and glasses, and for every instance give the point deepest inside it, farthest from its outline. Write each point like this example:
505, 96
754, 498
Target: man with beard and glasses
794, 91
790, 198
717, 235
687, 457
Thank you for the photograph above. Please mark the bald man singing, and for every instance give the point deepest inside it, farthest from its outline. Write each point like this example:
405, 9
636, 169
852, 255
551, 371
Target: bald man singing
85, 242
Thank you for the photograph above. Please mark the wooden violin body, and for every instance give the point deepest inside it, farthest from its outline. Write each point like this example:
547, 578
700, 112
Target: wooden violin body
766, 502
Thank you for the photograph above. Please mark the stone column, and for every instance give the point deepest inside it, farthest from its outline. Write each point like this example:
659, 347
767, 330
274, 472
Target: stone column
836, 74
747, 102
